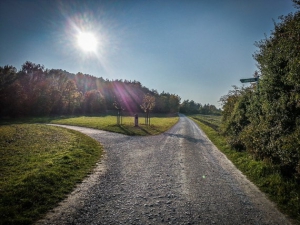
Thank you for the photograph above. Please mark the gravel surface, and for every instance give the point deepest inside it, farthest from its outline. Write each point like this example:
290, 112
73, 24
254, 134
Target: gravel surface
178, 177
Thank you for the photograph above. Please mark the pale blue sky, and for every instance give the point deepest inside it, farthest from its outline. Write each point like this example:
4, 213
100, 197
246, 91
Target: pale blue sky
197, 49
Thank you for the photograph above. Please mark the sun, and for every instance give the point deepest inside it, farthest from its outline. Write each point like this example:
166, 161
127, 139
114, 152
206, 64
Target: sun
87, 41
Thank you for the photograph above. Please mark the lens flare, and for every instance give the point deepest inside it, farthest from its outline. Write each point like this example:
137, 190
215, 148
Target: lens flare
90, 38
87, 41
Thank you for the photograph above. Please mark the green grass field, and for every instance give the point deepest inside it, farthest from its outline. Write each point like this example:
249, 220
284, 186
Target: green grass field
40, 164
285, 193
158, 124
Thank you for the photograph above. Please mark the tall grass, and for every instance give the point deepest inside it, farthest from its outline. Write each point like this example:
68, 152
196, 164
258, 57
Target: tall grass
39, 165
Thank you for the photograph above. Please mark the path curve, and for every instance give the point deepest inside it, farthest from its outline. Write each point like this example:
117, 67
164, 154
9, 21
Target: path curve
178, 177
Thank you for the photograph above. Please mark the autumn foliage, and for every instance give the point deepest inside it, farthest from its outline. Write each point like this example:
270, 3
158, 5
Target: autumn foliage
36, 91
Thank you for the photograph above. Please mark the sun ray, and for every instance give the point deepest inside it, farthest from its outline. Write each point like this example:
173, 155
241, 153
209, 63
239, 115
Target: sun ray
88, 39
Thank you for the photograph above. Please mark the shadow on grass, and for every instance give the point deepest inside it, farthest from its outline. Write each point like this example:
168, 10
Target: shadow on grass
125, 130
152, 127
131, 130
143, 129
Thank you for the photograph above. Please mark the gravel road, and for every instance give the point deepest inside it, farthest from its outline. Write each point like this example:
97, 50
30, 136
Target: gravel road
178, 177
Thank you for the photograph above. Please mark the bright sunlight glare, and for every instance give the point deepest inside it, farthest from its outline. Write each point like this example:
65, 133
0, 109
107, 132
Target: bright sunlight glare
87, 41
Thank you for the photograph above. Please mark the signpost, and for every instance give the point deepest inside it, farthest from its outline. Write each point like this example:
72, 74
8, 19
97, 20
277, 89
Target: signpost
136, 120
248, 80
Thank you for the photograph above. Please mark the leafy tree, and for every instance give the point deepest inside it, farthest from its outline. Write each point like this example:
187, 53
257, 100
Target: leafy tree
32, 69
194, 107
174, 102
119, 106
71, 96
191, 107
8, 74
278, 59
14, 100
184, 107
93, 102
165, 102
147, 106
234, 115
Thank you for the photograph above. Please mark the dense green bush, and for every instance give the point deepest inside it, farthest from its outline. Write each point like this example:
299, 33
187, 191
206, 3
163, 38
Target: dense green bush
235, 116
265, 120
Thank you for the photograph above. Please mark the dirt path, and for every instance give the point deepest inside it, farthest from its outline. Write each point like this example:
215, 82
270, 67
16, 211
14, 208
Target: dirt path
178, 177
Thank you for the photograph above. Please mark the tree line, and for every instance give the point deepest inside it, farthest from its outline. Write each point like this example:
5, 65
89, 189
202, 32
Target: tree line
264, 119
191, 107
36, 91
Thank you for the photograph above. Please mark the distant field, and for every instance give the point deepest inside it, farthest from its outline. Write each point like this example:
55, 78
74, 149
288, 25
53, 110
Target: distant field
40, 164
209, 120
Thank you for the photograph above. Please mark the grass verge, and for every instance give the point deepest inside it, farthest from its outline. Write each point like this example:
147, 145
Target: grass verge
284, 192
39, 165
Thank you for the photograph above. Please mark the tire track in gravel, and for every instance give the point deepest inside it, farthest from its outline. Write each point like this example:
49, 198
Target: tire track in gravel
178, 177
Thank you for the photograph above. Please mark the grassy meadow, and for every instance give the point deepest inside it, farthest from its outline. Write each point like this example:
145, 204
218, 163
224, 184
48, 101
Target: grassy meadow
40, 164
285, 193
159, 124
